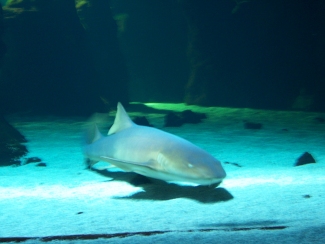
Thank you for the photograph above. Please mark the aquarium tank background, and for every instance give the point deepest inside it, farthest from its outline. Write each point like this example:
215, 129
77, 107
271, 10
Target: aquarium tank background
244, 80
256, 54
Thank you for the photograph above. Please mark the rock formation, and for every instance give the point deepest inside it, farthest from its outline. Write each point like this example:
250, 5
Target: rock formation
11, 148
101, 32
50, 65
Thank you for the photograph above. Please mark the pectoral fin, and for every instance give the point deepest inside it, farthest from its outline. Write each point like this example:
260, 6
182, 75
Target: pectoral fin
129, 166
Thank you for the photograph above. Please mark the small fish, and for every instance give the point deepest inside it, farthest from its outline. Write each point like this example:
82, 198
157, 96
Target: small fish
151, 152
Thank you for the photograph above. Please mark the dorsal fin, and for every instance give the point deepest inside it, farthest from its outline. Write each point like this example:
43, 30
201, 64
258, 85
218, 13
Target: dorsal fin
92, 134
122, 120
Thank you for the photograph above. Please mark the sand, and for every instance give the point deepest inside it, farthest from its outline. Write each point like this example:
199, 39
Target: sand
264, 198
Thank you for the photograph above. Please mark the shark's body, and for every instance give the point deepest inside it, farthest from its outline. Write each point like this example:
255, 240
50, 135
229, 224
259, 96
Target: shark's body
152, 152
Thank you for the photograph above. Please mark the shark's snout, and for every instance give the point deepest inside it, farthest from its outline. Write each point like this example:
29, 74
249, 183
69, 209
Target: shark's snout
209, 170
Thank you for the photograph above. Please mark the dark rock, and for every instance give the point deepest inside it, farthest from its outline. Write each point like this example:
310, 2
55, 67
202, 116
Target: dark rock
191, 117
11, 148
305, 158
8, 132
141, 120
253, 126
306, 196
41, 164
173, 120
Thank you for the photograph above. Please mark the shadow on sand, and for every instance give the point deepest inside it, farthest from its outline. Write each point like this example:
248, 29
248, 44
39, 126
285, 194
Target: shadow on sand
161, 191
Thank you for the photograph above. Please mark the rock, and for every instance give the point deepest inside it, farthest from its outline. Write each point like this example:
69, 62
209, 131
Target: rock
187, 116
141, 120
305, 158
191, 117
173, 120
11, 148
306, 196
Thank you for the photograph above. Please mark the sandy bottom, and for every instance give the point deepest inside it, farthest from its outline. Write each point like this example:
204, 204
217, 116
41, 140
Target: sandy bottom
266, 199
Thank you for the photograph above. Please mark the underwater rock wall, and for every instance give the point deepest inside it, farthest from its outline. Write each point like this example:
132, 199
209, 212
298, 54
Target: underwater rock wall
78, 57
257, 54
50, 65
153, 38
11, 148
101, 30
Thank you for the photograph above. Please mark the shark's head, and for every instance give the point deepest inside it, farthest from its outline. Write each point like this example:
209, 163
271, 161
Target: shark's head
207, 168
195, 166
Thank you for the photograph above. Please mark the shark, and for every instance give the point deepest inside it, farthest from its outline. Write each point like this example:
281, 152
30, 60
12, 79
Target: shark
151, 152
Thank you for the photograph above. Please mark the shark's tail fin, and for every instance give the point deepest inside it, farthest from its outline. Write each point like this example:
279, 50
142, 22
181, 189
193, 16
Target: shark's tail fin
91, 135
91, 132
